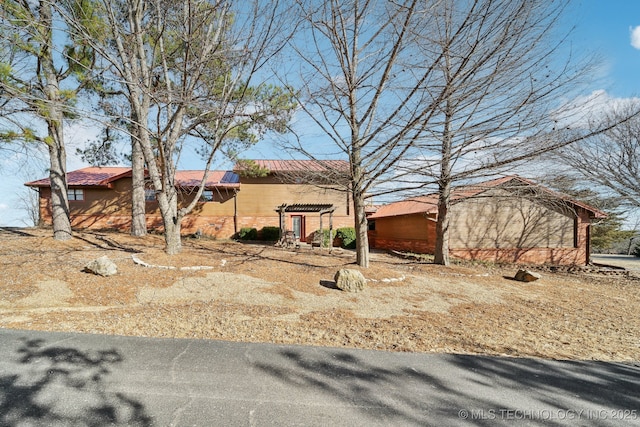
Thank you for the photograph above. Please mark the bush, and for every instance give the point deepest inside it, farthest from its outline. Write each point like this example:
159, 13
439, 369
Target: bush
270, 234
248, 233
348, 236
636, 251
325, 237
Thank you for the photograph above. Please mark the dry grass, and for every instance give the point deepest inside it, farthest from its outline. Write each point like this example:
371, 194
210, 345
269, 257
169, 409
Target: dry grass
264, 294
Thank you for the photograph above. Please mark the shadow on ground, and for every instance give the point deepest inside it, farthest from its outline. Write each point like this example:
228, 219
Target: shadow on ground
472, 390
64, 386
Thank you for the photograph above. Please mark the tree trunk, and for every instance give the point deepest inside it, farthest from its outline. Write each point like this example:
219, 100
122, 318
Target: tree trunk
171, 218
441, 255
55, 137
138, 203
59, 197
362, 238
172, 239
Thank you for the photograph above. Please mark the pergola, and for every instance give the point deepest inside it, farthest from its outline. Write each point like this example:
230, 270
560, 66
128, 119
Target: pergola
320, 208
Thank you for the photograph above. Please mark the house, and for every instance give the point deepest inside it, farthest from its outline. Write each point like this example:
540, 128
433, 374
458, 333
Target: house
295, 195
100, 198
510, 219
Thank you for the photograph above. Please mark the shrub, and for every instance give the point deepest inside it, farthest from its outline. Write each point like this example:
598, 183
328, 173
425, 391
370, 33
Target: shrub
348, 236
270, 234
636, 251
325, 237
247, 233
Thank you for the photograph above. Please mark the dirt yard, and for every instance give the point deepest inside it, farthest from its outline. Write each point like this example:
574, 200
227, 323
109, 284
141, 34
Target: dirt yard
258, 293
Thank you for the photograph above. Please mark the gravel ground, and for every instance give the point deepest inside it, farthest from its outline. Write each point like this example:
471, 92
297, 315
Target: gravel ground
258, 293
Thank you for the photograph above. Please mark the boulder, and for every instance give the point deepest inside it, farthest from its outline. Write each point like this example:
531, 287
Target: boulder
527, 276
350, 280
102, 266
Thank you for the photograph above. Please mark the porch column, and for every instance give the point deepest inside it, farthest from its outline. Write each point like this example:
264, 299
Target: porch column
321, 233
281, 210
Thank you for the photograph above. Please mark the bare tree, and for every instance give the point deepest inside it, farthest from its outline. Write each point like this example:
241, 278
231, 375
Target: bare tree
362, 84
500, 68
40, 77
29, 202
187, 69
611, 160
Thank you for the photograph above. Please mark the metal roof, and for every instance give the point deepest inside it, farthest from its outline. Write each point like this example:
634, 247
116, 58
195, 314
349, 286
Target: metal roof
88, 177
103, 176
429, 204
193, 178
276, 166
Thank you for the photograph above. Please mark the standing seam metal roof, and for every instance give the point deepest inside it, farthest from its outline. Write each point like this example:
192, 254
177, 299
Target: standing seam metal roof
103, 176
429, 204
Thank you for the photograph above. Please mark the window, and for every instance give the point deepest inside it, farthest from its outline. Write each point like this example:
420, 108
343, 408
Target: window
75, 194
207, 196
149, 195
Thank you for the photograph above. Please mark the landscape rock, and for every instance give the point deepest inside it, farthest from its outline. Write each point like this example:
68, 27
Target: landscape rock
527, 276
102, 266
350, 280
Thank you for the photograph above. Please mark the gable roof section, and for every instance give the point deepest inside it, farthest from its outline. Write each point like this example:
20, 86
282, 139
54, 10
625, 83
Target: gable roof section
215, 179
102, 177
276, 166
88, 177
429, 204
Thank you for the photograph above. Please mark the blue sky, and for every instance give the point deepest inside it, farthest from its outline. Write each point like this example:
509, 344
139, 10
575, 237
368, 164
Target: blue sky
610, 28
606, 27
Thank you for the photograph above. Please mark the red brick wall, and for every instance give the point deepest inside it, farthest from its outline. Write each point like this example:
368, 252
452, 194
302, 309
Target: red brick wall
89, 216
554, 256
416, 246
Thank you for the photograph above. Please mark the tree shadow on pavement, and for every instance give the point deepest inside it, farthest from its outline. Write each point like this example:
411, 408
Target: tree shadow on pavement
387, 396
561, 384
450, 389
52, 385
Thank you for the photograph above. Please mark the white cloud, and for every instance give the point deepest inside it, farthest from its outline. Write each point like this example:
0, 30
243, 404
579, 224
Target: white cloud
635, 36
578, 112
3, 206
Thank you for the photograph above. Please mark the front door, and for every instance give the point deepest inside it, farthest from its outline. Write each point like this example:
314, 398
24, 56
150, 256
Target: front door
297, 225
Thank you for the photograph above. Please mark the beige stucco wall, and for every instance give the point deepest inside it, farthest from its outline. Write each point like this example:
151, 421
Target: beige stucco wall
499, 227
497, 219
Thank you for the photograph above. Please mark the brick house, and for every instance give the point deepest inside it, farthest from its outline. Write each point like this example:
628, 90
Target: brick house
100, 198
509, 219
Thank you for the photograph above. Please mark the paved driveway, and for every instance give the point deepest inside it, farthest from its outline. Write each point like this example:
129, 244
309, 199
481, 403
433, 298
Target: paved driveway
628, 262
73, 379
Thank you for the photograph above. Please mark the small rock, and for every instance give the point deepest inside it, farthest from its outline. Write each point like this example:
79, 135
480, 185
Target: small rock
350, 280
102, 266
527, 276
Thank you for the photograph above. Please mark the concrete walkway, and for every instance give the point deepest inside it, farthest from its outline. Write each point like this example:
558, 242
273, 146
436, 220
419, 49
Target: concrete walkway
72, 379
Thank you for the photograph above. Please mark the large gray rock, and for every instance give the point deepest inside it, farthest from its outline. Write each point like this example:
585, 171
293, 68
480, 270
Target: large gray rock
350, 280
102, 266
527, 276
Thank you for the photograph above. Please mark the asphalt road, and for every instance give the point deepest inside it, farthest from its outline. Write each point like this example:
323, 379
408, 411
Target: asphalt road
49, 379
